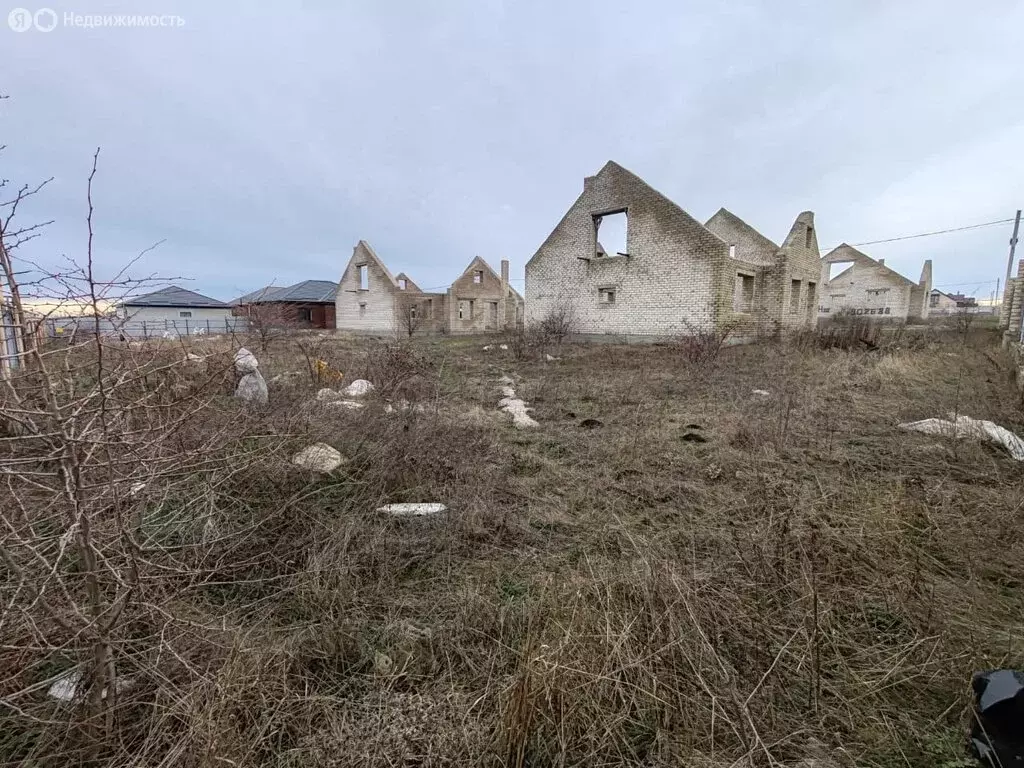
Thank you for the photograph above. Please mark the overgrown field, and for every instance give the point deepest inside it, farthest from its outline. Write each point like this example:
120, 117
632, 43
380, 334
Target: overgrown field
670, 570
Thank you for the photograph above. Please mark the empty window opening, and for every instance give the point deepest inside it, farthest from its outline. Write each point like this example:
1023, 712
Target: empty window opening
838, 267
401, 283
364, 277
185, 314
743, 300
362, 308
478, 276
877, 291
794, 297
465, 310
412, 313
606, 295
494, 312
306, 314
430, 309
812, 299
471, 315
611, 231
809, 237
732, 251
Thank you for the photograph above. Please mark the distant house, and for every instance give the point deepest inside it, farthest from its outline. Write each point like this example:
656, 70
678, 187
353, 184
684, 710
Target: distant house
309, 304
854, 283
941, 303
177, 309
373, 300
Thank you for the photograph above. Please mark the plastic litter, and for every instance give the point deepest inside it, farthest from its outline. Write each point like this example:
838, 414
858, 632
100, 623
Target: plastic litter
966, 427
997, 731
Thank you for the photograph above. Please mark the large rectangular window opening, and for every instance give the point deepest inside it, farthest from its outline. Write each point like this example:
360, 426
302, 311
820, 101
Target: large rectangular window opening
836, 268
364, 277
812, 300
794, 297
809, 237
611, 233
606, 295
743, 299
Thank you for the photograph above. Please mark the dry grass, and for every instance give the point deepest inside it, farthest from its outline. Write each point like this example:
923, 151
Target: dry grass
800, 577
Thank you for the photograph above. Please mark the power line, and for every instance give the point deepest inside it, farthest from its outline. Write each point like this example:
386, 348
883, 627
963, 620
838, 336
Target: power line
937, 232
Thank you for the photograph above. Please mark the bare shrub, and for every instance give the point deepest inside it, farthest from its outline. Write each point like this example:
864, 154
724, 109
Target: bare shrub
702, 346
399, 370
844, 330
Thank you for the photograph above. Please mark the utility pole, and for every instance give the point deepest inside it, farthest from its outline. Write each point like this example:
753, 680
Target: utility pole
1004, 310
1013, 247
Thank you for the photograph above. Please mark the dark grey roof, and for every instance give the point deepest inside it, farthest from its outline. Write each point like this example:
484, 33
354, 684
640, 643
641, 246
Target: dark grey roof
321, 291
263, 294
173, 296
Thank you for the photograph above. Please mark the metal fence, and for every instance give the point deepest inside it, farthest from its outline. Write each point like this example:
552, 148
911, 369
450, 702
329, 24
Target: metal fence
144, 329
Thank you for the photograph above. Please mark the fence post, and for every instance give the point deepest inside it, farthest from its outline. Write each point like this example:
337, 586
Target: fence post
186, 326
145, 334
207, 326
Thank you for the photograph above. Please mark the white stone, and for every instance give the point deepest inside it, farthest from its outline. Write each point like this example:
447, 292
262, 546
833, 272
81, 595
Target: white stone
761, 393
413, 509
507, 391
350, 404
488, 348
191, 357
551, 358
506, 381
327, 394
503, 346
245, 361
252, 388
318, 457
357, 388
136, 489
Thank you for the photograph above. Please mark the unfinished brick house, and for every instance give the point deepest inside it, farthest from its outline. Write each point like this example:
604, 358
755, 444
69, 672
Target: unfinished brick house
372, 300
785, 283
854, 283
626, 260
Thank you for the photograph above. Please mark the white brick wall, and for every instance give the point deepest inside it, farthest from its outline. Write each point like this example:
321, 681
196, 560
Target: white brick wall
666, 285
372, 310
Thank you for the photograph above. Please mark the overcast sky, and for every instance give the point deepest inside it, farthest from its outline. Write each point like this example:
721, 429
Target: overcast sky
262, 141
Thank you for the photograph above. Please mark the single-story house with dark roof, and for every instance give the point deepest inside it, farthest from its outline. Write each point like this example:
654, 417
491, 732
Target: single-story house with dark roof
309, 304
175, 308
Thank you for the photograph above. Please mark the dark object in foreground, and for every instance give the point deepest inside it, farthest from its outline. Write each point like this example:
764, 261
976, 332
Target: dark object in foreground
591, 423
997, 731
693, 437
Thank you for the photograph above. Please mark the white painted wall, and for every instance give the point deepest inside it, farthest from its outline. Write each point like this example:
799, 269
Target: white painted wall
159, 318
